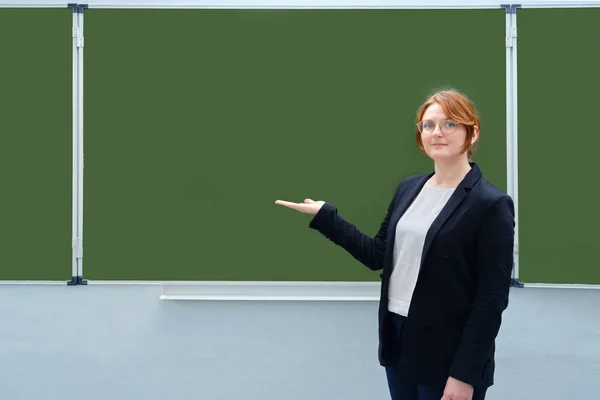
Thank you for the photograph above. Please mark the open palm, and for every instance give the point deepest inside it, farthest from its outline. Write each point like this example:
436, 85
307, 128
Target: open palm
308, 207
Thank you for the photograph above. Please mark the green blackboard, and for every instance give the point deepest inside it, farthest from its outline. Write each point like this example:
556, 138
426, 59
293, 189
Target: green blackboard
198, 120
36, 146
558, 141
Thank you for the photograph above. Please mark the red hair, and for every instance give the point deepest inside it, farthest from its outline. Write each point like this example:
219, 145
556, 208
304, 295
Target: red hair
456, 106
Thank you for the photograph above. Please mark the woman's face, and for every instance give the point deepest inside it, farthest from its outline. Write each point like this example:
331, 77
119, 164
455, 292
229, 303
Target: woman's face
443, 139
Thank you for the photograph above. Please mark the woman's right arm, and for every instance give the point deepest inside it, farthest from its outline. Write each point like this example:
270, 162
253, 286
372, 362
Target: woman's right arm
369, 251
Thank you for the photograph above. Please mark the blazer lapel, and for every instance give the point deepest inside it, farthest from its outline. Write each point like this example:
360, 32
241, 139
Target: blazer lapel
455, 200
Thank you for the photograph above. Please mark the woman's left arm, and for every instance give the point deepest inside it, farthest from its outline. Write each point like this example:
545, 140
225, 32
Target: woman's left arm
494, 258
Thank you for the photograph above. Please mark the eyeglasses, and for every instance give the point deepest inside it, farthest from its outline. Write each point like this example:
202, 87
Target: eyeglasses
447, 126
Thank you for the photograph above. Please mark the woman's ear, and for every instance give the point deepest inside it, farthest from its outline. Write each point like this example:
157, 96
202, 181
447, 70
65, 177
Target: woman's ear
475, 134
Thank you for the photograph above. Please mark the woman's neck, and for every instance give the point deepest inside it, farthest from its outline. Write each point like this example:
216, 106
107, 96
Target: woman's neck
450, 174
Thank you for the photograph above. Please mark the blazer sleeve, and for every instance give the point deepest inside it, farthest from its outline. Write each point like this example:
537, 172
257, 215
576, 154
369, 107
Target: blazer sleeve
369, 251
494, 258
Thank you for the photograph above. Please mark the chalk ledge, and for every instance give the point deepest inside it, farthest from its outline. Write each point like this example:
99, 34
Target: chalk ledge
294, 291
272, 291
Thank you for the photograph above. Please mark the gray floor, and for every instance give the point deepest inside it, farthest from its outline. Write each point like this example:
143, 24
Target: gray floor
122, 342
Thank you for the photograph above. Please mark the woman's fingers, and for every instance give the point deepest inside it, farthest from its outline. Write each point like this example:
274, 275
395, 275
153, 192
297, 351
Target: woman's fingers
287, 203
308, 207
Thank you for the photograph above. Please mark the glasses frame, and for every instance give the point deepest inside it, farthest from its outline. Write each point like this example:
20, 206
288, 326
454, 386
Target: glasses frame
420, 126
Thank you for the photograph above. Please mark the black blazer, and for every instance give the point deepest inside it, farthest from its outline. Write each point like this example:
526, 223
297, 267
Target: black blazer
463, 283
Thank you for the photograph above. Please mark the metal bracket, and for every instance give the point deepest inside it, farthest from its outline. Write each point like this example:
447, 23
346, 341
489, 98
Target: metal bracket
77, 280
510, 8
514, 282
78, 8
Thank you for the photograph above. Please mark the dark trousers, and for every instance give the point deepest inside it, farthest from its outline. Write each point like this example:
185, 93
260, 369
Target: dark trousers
401, 389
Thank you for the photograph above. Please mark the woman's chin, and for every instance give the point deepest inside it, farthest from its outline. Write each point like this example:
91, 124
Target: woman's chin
441, 155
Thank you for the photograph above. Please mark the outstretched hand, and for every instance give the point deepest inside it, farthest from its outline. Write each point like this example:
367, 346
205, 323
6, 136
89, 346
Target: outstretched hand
308, 207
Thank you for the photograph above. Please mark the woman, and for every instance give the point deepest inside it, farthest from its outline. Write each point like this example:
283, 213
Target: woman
446, 251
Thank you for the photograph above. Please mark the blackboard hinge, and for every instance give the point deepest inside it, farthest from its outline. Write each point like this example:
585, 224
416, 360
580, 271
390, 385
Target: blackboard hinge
76, 244
78, 36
